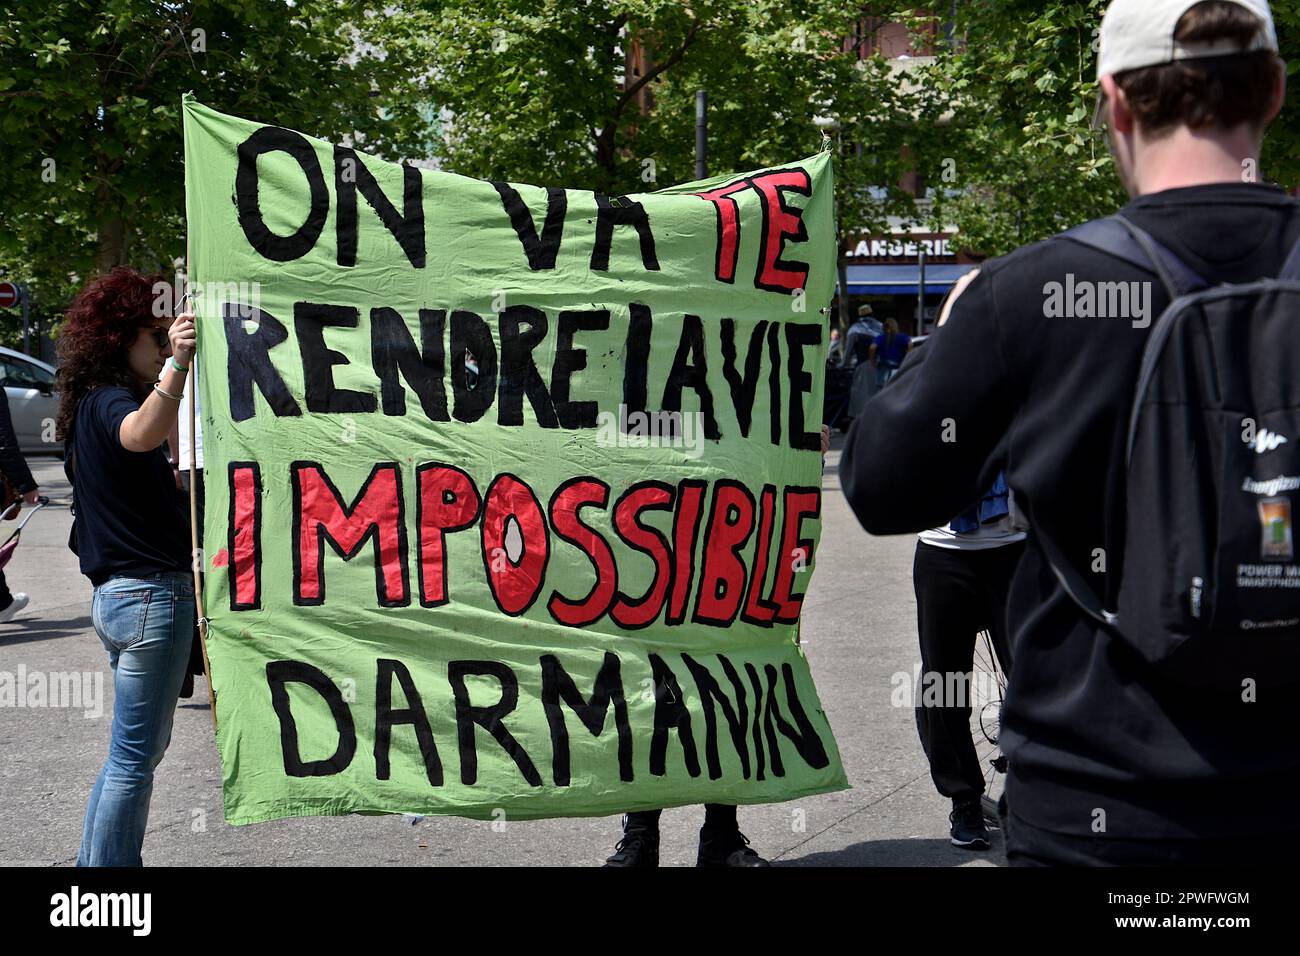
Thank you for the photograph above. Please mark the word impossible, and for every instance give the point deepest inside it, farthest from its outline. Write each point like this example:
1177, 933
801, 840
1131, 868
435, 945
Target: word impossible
447, 501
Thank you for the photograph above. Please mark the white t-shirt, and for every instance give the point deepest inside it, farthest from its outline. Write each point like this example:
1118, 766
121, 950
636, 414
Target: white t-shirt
183, 421
995, 534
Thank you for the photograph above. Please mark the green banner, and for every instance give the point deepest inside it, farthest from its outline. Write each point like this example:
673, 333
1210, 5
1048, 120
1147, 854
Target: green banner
512, 492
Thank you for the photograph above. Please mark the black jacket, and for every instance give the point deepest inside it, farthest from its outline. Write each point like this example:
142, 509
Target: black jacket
1003, 386
11, 459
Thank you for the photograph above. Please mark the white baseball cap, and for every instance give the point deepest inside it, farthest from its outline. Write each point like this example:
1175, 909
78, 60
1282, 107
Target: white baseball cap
1140, 33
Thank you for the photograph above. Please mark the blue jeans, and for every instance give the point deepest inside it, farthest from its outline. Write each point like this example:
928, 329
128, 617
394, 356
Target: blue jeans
146, 624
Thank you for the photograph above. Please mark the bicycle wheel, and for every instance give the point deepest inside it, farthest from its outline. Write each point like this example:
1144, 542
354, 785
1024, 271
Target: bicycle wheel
987, 690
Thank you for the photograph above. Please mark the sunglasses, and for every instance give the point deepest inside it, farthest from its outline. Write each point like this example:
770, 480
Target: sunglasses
159, 336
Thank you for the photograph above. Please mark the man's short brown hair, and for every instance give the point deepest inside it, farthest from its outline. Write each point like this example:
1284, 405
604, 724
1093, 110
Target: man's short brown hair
1208, 92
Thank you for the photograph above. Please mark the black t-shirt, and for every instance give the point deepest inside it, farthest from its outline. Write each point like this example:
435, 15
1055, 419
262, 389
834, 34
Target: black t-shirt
129, 518
1007, 384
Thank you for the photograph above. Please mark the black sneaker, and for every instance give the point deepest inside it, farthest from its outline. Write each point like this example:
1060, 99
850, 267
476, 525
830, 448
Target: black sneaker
969, 830
637, 848
729, 848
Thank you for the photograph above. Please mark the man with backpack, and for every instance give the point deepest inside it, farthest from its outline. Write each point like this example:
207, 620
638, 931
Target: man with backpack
1155, 617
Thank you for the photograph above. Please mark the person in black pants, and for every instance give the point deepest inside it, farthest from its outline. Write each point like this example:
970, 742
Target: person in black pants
20, 476
721, 842
962, 575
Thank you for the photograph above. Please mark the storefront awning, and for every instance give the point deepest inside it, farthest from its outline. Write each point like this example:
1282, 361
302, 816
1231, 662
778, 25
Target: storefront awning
903, 279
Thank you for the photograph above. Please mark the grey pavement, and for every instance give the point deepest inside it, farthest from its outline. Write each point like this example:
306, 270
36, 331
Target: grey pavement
859, 628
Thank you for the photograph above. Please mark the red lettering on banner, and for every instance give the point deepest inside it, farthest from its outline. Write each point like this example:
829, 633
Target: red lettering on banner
447, 502
686, 528
757, 610
245, 557
657, 495
569, 499
722, 575
319, 515
728, 218
514, 582
800, 503
781, 222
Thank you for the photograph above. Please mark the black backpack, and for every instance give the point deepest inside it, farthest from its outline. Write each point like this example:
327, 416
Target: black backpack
1208, 582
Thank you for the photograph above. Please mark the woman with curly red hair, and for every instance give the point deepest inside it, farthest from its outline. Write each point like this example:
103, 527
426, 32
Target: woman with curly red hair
121, 375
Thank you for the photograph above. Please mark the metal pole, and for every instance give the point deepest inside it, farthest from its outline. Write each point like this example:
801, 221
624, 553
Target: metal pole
920, 298
701, 134
27, 324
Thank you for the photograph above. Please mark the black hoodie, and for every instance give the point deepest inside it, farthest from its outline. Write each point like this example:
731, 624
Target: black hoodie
1003, 386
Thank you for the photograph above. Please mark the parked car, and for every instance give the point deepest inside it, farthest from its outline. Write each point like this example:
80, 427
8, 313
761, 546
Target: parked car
29, 384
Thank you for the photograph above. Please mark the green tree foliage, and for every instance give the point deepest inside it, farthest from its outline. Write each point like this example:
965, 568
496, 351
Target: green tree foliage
90, 96
541, 92
1025, 162
538, 91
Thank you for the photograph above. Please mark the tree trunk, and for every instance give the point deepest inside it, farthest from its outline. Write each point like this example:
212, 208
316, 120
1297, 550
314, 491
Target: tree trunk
112, 244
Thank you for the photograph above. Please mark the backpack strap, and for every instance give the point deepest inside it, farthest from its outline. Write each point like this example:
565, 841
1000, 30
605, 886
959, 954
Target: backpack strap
1073, 583
1121, 238
1117, 236
1291, 268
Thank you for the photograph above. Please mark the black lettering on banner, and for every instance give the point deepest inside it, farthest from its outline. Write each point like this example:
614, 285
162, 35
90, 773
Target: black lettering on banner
635, 613
670, 714
270, 139
774, 380
621, 211
469, 333
763, 716
519, 374
318, 359
566, 504
386, 718
796, 337
709, 692
691, 370
742, 711
569, 360
319, 514
742, 387
248, 362
558, 686
489, 718
407, 228
777, 769
804, 737
541, 252
279, 673
636, 369
392, 349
